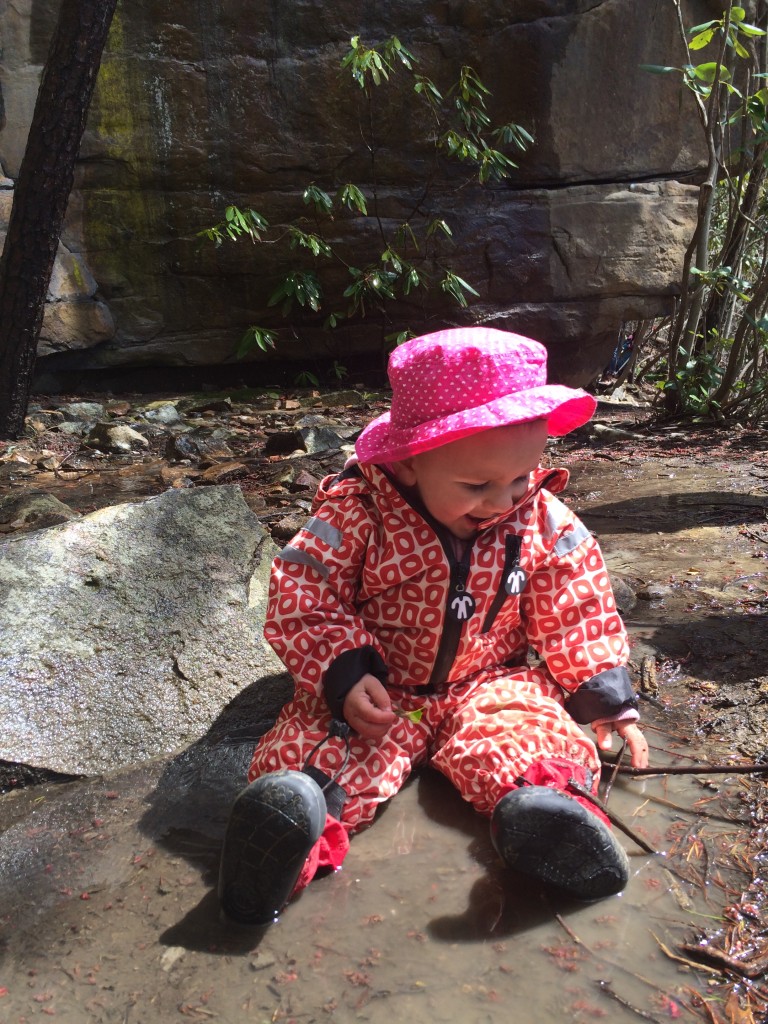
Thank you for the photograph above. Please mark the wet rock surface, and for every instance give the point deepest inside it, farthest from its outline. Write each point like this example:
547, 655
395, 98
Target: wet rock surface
106, 904
127, 630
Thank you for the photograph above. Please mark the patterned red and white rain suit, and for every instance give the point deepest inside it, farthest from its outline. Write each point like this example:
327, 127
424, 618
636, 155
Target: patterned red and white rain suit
372, 584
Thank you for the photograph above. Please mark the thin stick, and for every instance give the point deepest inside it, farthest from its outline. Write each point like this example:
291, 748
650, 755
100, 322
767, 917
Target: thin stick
754, 968
614, 818
605, 986
615, 771
714, 769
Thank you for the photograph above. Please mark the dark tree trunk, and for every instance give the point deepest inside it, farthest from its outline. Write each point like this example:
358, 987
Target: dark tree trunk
41, 195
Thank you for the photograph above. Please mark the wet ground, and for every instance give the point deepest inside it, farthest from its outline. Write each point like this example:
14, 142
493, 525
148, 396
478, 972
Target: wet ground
105, 884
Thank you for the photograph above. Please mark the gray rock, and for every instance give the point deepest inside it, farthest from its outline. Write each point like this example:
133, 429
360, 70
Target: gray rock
82, 411
197, 445
317, 439
591, 232
115, 437
167, 414
127, 632
74, 427
624, 593
33, 510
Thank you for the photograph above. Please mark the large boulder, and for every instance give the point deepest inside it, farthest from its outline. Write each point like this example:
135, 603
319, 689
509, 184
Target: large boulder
199, 104
127, 632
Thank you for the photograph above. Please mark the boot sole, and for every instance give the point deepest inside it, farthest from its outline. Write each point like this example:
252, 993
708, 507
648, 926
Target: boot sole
273, 825
546, 834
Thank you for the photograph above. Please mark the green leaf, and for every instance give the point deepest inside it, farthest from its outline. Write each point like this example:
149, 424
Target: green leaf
255, 337
351, 197
707, 72
701, 40
751, 30
658, 69
439, 225
412, 280
704, 25
320, 198
456, 286
398, 337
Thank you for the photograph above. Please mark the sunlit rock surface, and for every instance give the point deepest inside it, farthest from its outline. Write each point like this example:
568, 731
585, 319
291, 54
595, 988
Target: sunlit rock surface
198, 105
126, 633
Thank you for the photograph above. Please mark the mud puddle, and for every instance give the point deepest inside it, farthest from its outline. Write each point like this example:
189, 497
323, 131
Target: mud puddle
106, 900
109, 914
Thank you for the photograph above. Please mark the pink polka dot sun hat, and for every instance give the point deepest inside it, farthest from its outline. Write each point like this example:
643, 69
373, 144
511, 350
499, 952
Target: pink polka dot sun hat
458, 382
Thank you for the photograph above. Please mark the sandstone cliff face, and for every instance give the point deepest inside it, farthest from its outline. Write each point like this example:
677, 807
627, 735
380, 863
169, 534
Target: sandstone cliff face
198, 104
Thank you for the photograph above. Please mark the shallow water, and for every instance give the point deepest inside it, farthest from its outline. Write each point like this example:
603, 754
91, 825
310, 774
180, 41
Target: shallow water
105, 894
106, 903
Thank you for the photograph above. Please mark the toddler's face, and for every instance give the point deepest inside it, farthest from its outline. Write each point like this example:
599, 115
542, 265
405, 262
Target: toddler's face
466, 482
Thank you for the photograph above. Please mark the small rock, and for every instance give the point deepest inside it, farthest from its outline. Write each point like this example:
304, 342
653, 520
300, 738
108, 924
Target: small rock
304, 481
605, 433
340, 398
171, 956
175, 476
165, 413
197, 446
223, 473
13, 470
626, 599
317, 439
288, 527
118, 408
76, 428
115, 437
33, 510
283, 442
82, 411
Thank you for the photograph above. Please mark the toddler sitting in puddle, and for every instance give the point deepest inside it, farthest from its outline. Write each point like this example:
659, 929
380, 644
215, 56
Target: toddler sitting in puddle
406, 610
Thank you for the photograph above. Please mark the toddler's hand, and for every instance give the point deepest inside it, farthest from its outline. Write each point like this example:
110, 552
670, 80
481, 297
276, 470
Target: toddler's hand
629, 731
368, 709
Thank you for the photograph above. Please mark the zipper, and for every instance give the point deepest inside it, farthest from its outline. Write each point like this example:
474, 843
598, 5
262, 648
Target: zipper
459, 607
513, 545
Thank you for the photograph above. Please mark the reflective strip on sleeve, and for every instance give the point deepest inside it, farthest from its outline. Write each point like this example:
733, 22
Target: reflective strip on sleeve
571, 540
292, 554
325, 532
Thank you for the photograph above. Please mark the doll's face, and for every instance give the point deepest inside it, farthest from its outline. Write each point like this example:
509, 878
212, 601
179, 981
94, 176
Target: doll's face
476, 478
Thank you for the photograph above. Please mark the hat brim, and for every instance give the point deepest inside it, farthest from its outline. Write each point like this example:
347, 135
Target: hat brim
564, 409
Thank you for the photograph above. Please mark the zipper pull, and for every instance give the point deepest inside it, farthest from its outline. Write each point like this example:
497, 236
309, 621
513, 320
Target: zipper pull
515, 577
461, 604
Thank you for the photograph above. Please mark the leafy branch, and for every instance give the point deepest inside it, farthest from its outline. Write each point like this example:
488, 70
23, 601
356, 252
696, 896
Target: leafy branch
412, 254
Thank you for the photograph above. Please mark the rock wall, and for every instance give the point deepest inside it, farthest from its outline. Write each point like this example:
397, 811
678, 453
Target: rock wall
198, 104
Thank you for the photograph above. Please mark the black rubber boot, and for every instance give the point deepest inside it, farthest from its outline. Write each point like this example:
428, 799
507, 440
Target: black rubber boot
549, 835
273, 825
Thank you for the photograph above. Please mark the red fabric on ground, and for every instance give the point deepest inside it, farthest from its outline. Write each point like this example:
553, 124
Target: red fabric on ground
328, 852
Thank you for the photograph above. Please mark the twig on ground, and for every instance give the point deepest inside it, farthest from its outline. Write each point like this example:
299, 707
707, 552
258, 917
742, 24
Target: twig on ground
694, 769
605, 986
683, 960
614, 818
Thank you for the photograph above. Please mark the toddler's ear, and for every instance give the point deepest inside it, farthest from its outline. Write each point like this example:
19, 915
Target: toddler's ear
403, 472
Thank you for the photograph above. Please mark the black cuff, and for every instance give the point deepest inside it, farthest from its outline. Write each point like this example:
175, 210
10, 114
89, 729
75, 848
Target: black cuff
602, 696
348, 669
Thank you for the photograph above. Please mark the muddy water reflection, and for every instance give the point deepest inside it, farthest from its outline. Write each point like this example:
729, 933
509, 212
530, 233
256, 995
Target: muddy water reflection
109, 915
105, 885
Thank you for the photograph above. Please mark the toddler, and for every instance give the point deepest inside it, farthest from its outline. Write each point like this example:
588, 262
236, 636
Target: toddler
442, 606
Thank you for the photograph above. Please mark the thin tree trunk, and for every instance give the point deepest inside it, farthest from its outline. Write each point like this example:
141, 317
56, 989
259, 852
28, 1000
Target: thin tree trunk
41, 195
